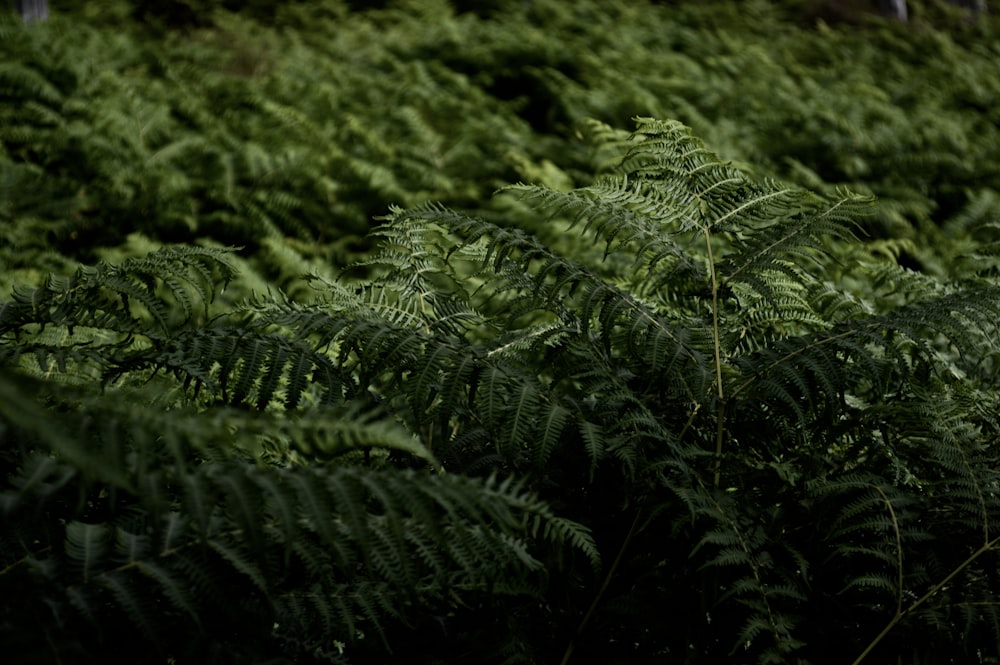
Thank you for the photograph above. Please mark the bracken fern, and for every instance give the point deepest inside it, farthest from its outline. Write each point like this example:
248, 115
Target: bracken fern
692, 418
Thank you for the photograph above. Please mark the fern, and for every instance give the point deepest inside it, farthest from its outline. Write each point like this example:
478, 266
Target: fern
727, 386
709, 325
804, 457
354, 545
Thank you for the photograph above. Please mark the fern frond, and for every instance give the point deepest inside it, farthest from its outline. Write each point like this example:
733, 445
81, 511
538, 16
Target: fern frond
147, 296
417, 537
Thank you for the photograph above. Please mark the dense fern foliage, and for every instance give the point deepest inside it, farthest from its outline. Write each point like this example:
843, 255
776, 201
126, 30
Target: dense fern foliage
679, 415
291, 372
758, 440
193, 480
284, 127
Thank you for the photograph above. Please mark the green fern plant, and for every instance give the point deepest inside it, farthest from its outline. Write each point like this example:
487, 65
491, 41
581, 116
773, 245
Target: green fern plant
777, 441
224, 494
223, 559
696, 355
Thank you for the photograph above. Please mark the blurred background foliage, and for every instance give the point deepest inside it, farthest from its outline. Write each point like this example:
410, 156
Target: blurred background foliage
290, 130
287, 128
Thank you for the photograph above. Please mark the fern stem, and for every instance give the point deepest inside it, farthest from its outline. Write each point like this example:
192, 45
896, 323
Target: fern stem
927, 596
25, 559
717, 346
690, 421
719, 435
600, 592
899, 551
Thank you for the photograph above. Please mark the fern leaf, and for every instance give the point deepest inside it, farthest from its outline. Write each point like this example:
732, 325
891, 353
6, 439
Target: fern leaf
86, 546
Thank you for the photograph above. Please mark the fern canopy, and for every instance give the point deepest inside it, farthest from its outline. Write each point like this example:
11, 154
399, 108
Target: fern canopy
680, 414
